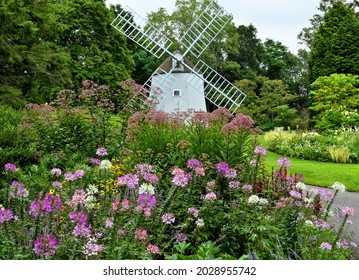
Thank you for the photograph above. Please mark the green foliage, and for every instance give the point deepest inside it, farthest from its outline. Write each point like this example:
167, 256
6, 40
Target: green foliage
336, 43
268, 103
335, 101
16, 142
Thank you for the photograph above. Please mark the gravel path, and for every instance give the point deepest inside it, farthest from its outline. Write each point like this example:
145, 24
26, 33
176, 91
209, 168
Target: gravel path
348, 199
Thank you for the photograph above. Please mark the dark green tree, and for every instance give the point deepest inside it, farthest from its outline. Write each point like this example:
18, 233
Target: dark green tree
32, 65
98, 51
249, 52
336, 43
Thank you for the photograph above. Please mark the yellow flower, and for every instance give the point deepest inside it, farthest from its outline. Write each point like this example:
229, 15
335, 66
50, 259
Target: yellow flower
52, 191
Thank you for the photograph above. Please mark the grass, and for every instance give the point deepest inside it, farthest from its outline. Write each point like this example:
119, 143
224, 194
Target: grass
320, 174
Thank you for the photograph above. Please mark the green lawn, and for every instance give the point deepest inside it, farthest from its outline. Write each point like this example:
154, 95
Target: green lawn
321, 174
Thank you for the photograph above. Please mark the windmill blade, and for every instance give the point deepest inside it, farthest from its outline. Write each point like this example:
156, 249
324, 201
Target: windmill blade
129, 23
217, 89
204, 29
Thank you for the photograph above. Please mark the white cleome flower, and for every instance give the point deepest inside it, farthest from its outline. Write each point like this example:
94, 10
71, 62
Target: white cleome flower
105, 164
338, 187
200, 223
253, 199
92, 189
300, 186
263, 201
146, 188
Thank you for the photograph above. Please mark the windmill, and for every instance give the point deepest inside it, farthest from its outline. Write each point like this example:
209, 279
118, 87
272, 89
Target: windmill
178, 84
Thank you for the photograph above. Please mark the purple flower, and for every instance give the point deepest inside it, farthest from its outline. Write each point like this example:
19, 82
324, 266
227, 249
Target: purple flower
141, 234
45, 245
234, 184
180, 237
247, 187
79, 217
95, 161
91, 248
259, 150
180, 179
222, 168
168, 218
101, 152
79, 173
230, 174
151, 178
193, 163
152, 249
46, 206
10, 167
295, 194
210, 197
109, 223
129, 180
56, 171
147, 200
5, 215
82, 230
78, 199
193, 211
18, 190
144, 168
283, 162
326, 246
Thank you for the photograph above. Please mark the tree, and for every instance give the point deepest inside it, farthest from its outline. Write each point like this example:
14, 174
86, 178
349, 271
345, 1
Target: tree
31, 63
98, 51
249, 52
336, 43
268, 103
335, 101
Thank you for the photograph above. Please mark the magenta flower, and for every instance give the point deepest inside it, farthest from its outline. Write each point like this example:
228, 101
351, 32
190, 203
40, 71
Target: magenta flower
79, 217
50, 204
152, 249
259, 150
45, 245
10, 167
150, 178
101, 152
146, 202
129, 180
348, 211
283, 162
5, 215
141, 234
168, 218
222, 168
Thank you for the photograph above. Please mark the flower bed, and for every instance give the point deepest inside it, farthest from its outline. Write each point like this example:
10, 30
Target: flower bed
182, 188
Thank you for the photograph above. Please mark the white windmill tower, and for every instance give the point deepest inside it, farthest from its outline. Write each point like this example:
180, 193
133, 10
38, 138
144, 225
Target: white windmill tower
178, 84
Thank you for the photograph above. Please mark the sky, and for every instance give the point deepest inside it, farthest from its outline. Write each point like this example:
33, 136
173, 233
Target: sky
280, 20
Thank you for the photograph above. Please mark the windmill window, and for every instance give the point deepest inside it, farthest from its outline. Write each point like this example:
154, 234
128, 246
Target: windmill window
176, 92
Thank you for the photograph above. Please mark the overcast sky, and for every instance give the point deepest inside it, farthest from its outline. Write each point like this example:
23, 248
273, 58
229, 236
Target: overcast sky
280, 20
